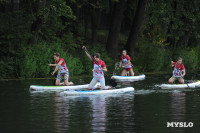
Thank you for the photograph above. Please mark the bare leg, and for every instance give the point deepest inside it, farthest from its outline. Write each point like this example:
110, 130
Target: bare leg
127, 73
181, 80
62, 83
68, 83
57, 82
131, 71
123, 72
171, 80
66, 78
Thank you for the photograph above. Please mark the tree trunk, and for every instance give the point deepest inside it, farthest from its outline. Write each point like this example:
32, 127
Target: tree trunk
171, 40
16, 5
135, 28
184, 39
8, 6
37, 23
117, 17
94, 23
35, 27
85, 21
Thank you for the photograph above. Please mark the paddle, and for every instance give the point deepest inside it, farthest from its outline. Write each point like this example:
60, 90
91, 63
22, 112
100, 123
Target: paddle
54, 81
179, 72
112, 82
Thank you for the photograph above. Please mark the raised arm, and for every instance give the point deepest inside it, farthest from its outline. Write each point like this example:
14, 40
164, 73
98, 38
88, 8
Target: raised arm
87, 53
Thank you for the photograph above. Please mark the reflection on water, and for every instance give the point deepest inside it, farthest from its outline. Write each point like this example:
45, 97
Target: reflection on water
147, 109
98, 114
94, 113
177, 106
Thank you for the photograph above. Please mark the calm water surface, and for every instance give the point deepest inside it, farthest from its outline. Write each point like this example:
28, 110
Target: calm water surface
147, 110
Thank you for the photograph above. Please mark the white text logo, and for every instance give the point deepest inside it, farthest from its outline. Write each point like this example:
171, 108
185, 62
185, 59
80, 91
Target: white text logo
179, 124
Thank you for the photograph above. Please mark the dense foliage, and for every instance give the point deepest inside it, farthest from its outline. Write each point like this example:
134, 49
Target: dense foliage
151, 31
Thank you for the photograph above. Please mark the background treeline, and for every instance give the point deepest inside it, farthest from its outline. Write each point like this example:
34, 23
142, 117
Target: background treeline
151, 31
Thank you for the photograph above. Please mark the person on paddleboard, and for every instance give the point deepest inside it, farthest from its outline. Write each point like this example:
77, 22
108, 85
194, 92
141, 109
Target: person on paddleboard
178, 72
99, 67
125, 64
62, 69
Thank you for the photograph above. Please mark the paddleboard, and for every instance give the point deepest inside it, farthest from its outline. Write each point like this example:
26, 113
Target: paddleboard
177, 86
129, 78
57, 88
97, 92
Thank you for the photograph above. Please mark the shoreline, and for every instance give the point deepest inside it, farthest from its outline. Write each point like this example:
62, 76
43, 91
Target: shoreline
86, 75
77, 76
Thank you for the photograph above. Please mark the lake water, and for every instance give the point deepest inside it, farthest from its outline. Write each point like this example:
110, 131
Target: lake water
147, 110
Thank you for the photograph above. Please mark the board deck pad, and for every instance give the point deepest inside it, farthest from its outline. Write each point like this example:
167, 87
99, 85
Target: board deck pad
128, 78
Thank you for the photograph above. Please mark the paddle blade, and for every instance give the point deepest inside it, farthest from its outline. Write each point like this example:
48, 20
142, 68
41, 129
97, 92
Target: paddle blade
112, 82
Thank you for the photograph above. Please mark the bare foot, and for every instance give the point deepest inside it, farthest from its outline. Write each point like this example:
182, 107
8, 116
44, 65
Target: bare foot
71, 83
109, 87
62, 83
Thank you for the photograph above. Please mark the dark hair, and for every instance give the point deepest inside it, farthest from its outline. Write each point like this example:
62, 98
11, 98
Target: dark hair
97, 55
56, 54
179, 58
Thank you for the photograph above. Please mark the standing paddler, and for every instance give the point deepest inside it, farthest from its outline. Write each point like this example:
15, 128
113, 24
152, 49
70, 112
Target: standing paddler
125, 63
178, 72
62, 69
99, 67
